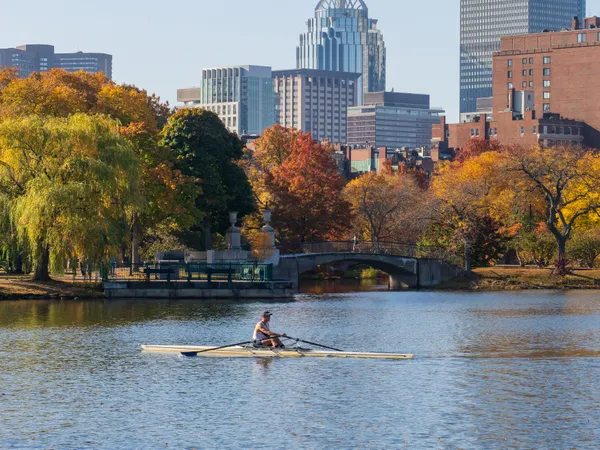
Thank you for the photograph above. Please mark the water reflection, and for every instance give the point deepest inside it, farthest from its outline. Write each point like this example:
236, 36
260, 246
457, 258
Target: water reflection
493, 371
341, 286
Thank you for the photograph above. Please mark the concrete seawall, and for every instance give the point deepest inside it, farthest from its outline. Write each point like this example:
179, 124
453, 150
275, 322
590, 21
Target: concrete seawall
200, 290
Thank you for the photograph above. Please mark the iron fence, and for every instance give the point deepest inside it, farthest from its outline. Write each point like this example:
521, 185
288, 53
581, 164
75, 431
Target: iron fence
364, 247
172, 271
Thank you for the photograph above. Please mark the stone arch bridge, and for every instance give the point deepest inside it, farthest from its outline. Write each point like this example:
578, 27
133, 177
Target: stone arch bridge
407, 266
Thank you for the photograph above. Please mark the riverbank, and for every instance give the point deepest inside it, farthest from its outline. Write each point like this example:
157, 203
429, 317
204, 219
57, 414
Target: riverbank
519, 278
18, 287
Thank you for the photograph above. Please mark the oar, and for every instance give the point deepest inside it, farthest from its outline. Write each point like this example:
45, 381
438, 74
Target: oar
314, 343
213, 349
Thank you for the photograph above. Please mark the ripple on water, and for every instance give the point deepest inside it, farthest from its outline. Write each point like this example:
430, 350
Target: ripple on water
493, 371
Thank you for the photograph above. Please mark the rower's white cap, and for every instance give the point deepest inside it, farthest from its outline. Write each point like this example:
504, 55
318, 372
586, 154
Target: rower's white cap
267, 313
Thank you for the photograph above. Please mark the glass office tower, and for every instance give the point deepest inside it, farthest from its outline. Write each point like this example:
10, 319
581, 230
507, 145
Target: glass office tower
242, 96
342, 38
483, 22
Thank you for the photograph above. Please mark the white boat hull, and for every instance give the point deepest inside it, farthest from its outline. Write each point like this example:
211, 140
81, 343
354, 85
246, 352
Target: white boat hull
250, 352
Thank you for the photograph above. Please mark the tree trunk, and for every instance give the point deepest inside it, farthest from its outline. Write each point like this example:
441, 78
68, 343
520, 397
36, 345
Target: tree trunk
42, 268
467, 258
207, 236
561, 264
135, 240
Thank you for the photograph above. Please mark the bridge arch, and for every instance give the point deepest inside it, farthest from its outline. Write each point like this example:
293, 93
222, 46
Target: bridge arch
403, 272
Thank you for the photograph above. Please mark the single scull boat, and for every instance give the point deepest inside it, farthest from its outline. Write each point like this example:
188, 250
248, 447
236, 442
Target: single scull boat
250, 351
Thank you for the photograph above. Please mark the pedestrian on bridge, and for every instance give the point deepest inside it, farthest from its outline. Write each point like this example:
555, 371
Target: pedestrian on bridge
355, 246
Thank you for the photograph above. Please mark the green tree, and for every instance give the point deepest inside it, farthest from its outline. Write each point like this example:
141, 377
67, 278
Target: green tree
207, 152
67, 183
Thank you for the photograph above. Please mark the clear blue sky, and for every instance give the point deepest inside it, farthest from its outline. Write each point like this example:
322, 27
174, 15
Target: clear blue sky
161, 46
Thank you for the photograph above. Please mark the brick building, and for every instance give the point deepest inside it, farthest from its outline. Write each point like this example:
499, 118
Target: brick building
561, 69
354, 161
546, 89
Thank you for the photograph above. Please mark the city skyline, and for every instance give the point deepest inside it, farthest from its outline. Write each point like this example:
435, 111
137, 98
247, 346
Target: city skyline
169, 48
483, 23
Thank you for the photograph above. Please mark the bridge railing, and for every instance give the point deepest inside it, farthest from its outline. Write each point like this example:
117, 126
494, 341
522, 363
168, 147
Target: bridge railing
363, 247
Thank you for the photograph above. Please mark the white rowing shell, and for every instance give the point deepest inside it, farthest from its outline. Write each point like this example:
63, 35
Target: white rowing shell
250, 352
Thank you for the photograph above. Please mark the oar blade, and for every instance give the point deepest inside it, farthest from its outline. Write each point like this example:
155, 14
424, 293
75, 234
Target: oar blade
189, 354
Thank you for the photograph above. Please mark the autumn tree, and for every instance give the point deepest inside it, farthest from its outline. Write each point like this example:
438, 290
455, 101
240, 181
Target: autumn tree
207, 152
476, 147
262, 158
166, 195
384, 206
464, 196
66, 182
306, 192
567, 179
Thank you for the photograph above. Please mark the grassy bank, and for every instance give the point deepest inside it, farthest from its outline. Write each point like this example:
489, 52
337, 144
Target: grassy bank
517, 278
17, 287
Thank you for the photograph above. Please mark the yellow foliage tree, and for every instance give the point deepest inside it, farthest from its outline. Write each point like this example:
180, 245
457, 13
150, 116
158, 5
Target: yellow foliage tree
67, 182
383, 207
566, 179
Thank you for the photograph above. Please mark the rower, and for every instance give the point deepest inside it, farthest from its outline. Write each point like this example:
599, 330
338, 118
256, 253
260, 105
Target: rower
263, 336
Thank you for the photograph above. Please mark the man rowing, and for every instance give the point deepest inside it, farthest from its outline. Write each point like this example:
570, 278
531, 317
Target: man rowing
263, 336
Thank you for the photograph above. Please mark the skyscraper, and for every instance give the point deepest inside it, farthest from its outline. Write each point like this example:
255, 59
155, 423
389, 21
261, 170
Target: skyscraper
242, 96
40, 58
342, 38
483, 22
315, 101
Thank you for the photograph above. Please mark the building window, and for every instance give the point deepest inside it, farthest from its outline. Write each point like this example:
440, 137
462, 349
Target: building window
495, 131
530, 60
524, 84
581, 37
546, 60
546, 83
510, 74
477, 132
531, 84
546, 94
510, 63
524, 61
534, 129
511, 86
546, 107
472, 132
522, 129
530, 71
525, 73
547, 72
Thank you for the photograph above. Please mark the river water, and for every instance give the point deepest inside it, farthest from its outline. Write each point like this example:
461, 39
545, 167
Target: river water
492, 371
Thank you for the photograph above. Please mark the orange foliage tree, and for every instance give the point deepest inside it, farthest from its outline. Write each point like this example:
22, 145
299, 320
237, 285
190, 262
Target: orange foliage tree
305, 193
477, 146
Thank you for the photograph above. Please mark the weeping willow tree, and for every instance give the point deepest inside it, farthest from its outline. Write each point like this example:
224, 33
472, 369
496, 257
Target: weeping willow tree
65, 185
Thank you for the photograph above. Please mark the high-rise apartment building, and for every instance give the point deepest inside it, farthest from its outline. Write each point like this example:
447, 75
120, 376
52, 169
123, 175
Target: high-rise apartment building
40, 58
315, 101
484, 22
393, 120
242, 96
342, 38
